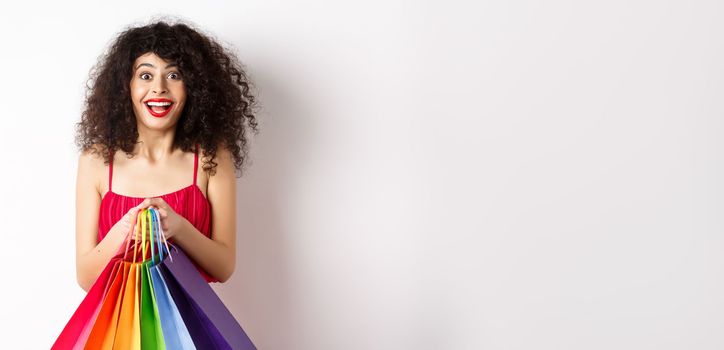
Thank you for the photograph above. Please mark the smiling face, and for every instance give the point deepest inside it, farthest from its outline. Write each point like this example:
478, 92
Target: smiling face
158, 93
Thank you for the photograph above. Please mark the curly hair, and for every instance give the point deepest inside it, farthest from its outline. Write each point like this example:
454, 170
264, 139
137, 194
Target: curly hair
219, 108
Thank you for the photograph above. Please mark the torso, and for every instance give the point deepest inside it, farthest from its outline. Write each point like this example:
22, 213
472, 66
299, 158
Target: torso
174, 181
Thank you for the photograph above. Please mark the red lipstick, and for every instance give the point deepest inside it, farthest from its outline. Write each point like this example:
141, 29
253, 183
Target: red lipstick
158, 107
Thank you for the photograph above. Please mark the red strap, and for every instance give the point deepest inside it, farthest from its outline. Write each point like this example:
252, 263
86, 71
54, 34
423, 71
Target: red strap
196, 161
110, 170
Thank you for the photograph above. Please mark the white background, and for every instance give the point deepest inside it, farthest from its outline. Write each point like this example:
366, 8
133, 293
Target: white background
429, 175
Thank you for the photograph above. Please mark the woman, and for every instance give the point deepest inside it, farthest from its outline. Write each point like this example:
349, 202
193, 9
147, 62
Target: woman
165, 125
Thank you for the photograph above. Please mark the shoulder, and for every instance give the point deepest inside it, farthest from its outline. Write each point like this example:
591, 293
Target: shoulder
92, 157
223, 154
222, 186
94, 151
222, 177
91, 164
223, 161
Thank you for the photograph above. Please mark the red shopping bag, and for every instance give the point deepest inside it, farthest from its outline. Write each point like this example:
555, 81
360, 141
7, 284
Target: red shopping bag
104, 328
97, 306
77, 329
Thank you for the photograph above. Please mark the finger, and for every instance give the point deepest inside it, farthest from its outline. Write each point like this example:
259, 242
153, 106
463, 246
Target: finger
160, 203
142, 205
133, 212
132, 215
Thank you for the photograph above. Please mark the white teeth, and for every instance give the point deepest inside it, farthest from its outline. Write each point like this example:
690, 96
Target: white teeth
158, 104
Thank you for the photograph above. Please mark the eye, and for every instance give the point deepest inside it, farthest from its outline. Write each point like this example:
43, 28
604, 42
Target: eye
174, 76
145, 75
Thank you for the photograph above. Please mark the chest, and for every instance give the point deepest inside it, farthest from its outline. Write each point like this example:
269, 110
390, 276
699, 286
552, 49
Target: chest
142, 180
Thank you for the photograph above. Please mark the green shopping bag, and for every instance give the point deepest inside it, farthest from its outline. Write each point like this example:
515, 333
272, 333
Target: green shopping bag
151, 333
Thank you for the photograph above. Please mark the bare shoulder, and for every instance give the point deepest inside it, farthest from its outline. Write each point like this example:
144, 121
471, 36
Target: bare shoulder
224, 162
224, 156
91, 164
222, 181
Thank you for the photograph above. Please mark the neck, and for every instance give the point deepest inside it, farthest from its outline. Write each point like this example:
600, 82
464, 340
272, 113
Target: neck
155, 145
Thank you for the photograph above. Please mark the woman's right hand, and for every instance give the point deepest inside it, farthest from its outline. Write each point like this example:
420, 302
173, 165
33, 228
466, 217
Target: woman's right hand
129, 220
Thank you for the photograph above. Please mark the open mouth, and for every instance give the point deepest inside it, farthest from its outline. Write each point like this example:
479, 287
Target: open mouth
158, 107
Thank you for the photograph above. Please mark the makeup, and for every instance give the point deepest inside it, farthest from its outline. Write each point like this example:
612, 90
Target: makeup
158, 107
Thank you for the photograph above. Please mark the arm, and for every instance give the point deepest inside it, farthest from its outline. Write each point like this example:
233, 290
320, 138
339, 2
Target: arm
91, 256
216, 255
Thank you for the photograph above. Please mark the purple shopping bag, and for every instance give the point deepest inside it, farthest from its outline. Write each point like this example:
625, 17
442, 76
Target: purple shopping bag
210, 323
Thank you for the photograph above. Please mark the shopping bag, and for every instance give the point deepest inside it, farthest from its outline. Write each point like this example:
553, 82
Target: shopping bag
128, 335
151, 333
175, 333
209, 321
78, 327
146, 331
201, 329
120, 304
104, 328
83, 337
155, 300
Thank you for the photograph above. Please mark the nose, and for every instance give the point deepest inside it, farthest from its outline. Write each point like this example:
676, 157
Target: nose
159, 87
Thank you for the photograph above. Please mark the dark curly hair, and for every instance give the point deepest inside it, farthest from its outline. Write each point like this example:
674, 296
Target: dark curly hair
219, 108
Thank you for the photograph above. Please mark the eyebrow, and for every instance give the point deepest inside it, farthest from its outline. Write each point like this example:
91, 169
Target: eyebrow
152, 66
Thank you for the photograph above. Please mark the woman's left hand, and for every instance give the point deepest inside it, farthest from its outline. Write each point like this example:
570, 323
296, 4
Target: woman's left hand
171, 223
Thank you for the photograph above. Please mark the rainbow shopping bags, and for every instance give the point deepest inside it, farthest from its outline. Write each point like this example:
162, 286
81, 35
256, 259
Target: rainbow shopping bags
153, 298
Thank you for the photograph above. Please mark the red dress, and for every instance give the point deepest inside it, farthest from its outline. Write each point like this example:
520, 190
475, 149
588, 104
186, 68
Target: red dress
188, 202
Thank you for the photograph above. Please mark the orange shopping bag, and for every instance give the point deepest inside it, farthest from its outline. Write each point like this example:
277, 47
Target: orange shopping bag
104, 329
118, 323
128, 335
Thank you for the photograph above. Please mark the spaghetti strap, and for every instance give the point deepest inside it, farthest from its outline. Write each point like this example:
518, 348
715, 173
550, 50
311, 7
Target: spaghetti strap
196, 161
110, 170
